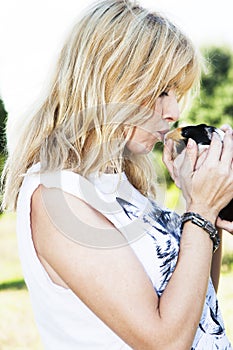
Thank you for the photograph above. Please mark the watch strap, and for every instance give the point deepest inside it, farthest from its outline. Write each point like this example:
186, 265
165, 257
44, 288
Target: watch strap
206, 225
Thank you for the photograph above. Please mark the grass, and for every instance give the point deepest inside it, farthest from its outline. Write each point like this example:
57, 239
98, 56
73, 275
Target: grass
225, 297
10, 267
17, 326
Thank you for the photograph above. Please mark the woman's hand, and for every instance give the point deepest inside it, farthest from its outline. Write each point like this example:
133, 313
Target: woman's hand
225, 127
169, 161
206, 181
225, 225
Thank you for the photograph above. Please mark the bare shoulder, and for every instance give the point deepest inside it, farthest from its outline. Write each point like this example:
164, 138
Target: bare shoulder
45, 200
52, 215
111, 282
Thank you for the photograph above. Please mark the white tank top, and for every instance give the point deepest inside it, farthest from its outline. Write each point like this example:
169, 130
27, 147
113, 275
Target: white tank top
63, 320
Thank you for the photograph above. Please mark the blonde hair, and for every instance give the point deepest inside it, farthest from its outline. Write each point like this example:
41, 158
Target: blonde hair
118, 58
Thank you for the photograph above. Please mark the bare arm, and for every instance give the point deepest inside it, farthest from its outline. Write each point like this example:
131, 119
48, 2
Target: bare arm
115, 286
216, 264
113, 283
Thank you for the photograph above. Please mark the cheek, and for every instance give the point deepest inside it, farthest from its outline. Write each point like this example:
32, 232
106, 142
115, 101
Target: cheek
141, 142
137, 148
159, 107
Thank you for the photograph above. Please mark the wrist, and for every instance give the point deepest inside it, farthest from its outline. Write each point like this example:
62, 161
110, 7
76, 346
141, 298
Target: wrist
208, 213
205, 224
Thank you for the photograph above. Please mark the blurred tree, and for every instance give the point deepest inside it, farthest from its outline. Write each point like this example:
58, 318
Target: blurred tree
214, 106
3, 116
219, 61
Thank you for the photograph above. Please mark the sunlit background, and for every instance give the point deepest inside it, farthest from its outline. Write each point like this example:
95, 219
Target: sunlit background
32, 33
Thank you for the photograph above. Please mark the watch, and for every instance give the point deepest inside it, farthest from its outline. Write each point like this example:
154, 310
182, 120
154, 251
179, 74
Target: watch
206, 225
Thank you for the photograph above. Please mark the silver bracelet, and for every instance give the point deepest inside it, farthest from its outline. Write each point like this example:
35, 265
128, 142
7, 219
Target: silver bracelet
205, 225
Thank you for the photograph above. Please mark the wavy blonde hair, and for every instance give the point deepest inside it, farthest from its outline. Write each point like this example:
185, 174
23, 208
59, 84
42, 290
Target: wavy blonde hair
118, 58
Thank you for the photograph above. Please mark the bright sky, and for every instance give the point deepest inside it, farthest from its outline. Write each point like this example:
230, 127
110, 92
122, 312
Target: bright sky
32, 32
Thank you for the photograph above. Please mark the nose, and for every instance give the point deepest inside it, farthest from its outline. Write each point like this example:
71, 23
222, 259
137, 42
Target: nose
170, 108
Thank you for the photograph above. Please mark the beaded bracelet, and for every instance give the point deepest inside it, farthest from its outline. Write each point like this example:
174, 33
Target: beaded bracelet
205, 225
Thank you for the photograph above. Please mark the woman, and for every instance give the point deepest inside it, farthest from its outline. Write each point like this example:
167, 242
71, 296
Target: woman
105, 266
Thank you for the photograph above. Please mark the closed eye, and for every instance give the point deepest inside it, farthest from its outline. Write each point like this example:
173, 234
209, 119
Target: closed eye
164, 93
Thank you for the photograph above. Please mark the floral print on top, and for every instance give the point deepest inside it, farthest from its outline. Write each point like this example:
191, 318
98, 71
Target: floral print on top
166, 232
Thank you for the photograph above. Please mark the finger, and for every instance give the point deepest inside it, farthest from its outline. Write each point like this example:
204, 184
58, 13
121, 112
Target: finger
191, 154
169, 145
179, 160
225, 225
201, 158
177, 182
227, 153
177, 166
167, 156
225, 127
215, 150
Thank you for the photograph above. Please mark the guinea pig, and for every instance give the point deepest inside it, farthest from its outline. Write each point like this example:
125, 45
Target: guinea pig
202, 135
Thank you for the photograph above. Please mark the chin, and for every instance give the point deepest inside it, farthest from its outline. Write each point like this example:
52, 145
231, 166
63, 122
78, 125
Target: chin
139, 148
147, 149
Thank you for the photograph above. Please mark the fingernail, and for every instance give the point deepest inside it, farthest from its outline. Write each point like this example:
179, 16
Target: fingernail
190, 143
167, 141
226, 126
216, 135
229, 131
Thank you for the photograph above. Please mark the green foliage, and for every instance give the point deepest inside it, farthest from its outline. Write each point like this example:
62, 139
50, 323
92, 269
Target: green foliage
214, 106
3, 116
219, 65
2, 158
227, 262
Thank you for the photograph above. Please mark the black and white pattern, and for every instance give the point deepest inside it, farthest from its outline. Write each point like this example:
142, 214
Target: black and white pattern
165, 230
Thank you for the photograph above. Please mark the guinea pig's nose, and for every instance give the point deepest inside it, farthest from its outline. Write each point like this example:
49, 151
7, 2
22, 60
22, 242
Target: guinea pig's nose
174, 135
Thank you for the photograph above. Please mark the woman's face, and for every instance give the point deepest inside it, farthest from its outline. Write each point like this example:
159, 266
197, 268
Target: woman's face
145, 136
